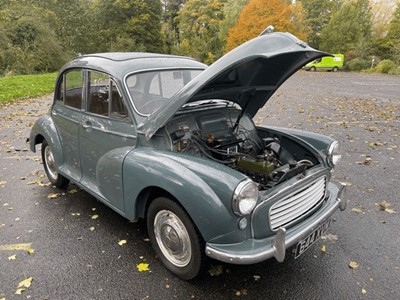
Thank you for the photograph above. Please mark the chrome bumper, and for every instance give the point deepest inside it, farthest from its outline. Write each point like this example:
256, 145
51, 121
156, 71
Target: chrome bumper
253, 251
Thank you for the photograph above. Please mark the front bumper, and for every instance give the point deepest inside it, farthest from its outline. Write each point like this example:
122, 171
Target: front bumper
256, 250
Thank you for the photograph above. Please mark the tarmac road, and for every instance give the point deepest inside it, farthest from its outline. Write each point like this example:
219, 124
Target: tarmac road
73, 239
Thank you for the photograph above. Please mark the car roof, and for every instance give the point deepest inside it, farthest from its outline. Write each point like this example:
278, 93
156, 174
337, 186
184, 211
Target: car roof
119, 64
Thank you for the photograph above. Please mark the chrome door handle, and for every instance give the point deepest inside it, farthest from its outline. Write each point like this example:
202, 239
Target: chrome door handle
87, 125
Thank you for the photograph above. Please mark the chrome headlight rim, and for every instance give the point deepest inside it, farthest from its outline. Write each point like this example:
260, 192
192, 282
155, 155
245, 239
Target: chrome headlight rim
334, 154
241, 205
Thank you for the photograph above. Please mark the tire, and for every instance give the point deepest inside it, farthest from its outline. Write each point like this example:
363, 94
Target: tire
335, 69
50, 167
174, 238
313, 69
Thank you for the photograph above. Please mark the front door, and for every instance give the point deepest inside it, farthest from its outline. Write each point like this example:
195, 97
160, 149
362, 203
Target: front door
106, 135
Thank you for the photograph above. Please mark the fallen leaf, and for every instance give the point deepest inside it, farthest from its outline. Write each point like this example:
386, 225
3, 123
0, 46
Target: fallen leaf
12, 257
53, 195
216, 270
143, 267
25, 283
76, 214
357, 210
331, 237
92, 228
72, 191
373, 144
384, 205
94, 217
323, 248
353, 265
19, 291
364, 291
31, 251
256, 277
390, 211
122, 242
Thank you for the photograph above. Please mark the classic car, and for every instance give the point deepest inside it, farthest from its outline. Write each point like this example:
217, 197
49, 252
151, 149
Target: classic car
171, 140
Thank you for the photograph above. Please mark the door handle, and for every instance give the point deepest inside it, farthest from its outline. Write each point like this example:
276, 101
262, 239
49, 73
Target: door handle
86, 124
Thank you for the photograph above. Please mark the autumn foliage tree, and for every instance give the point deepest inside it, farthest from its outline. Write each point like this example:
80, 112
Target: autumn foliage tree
258, 14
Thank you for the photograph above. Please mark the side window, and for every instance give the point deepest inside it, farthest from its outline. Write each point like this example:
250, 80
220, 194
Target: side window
98, 93
73, 82
104, 98
118, 108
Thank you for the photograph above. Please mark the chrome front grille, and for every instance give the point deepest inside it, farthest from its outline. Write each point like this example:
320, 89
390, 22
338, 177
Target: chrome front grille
296, 205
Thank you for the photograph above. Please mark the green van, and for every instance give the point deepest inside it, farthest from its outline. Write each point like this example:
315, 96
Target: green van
326, 63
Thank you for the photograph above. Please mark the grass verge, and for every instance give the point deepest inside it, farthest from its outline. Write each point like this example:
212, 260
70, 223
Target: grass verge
25, 86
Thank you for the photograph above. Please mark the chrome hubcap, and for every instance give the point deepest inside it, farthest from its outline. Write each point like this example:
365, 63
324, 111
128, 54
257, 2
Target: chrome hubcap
172, 238
50, 163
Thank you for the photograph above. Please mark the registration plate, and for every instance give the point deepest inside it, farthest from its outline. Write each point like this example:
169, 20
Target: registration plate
306, 243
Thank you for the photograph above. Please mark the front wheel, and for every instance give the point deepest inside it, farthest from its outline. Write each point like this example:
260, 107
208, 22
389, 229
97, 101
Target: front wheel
50, 167
174, 238
313, 69
335, 69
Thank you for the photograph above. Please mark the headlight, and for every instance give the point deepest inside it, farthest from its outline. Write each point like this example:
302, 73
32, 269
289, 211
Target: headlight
334, 154
245, 197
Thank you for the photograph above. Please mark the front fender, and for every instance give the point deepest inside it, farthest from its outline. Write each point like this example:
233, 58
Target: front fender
202, 187
44, 128
318, 141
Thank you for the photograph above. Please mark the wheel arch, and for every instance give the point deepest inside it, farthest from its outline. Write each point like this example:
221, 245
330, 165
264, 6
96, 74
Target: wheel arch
149, 194
45, 129
161, 175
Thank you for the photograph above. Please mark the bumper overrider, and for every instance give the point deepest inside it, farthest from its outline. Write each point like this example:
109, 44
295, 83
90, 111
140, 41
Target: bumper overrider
256, 250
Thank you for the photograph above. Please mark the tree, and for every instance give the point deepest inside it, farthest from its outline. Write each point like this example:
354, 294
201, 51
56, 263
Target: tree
317, 15
232, 10
258, 14
343, 30
199, 22
170, 25
382, 12
29, 42
132, 23
393, 35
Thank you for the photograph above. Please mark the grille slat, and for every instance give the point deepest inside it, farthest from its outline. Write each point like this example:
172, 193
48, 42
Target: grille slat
294, 206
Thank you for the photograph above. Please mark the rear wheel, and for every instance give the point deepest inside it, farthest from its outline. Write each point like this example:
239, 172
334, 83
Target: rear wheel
50, 167
335, 69
174, 238
312, 69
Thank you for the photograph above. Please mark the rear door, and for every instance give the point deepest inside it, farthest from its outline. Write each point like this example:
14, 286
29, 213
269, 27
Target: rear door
67, 113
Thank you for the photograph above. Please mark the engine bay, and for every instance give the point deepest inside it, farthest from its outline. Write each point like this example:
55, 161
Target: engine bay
230, 138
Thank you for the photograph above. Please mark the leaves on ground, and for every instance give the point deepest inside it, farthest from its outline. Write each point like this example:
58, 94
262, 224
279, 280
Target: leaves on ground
122, 242
323, 248
94, 217
358, 210
12, 257
53, 195
143, 267
367, 161
30, 251
216, 270
72, 191
26, 283
353, 264
385, 206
